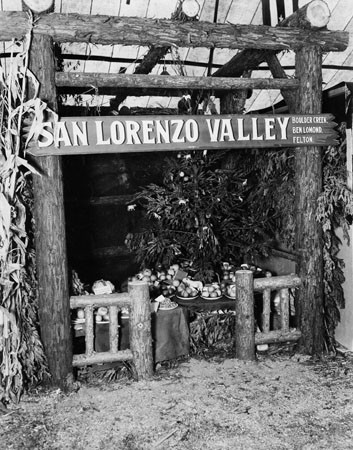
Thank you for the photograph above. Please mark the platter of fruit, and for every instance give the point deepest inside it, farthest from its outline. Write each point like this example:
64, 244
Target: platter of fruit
211, 291
185, 291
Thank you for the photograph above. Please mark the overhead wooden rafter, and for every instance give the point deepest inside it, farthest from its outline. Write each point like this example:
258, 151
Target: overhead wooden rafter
143, 31
150, 60
133, 30
110, 84
251, 58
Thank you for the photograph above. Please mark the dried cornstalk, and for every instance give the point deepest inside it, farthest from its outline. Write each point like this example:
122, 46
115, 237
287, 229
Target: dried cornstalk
22, 356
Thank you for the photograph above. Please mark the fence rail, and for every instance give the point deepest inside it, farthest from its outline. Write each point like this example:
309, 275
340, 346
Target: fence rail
138, 303
137, 300
283, 284
246, 339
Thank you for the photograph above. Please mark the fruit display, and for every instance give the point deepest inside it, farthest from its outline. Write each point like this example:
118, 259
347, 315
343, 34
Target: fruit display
168, 282
211, 291
231, 290
184, 290
175, 280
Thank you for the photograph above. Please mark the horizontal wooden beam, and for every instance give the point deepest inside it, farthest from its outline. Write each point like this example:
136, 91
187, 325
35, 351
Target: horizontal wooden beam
121, 300
277, 337
108, 83
101, 358
164, 32
275, 283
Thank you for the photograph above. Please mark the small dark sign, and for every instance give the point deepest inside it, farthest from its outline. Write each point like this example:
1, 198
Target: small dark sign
125, 134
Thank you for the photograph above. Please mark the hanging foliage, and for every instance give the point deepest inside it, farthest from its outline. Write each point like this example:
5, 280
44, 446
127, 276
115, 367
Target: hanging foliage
334, 212
22, 360
202, 213
276, 192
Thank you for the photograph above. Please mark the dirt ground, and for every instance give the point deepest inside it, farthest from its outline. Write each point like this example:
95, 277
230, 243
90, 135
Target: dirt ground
281, 401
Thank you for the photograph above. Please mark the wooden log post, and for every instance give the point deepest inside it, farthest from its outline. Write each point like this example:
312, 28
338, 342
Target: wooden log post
113, 329
308, 187
89, 326
244, 312
50, 235
140, 329
266, 308
285, 313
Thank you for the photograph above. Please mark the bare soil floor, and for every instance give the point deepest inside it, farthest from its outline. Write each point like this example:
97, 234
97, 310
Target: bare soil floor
279, 402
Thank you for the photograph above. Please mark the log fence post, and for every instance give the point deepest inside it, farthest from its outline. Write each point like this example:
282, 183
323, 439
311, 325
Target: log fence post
244, 313
89, 337
266, 308
284, 295
113, 329
140, 329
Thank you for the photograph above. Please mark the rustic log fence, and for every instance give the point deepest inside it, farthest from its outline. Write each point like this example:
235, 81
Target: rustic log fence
245, 337
137, 300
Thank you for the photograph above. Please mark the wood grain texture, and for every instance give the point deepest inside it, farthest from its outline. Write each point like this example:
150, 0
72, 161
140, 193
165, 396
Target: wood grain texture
244, 312
140, 329
108, 83
50, 235
308, 187
163, 32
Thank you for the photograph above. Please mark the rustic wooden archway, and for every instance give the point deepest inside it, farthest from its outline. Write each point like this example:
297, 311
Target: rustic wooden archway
259, 43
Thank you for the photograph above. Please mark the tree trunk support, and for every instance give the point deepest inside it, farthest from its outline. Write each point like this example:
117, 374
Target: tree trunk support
50, 236
308, 187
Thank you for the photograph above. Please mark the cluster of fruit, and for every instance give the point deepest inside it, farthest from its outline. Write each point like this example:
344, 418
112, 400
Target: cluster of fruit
212, 290
228, 274
184, 290
156, 278
231, 290
160, 281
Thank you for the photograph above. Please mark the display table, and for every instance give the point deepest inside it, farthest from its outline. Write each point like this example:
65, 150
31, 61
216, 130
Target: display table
201, 304
170, 335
